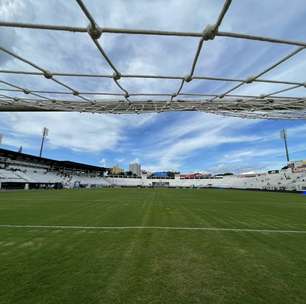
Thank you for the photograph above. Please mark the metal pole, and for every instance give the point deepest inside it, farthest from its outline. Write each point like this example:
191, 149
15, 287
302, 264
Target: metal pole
286, 147
45, 133
284, 136
42, 144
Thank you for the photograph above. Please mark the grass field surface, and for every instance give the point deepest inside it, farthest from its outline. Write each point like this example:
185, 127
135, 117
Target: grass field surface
56, 246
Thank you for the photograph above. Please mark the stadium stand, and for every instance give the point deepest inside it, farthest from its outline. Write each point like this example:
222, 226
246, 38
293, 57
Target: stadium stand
19, 170
24, 171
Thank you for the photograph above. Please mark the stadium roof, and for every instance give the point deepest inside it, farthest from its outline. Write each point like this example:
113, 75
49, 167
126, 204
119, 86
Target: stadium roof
42, 160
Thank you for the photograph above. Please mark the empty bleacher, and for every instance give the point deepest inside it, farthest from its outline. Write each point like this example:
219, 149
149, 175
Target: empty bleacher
22, 170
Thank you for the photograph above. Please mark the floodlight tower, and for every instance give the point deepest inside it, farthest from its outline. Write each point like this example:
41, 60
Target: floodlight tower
1, 138
44, 135
283, 135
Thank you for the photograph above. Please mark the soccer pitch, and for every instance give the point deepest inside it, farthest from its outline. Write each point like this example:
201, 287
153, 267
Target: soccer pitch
141, 246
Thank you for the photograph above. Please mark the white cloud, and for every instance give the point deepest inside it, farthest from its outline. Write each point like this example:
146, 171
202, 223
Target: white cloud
181, 139
75, 131
259, 159
119, 160
80, 132
16, 140
103, 162
135, 160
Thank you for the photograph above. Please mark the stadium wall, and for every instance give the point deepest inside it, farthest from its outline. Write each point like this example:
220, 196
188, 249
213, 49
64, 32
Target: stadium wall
284, 180
21, 171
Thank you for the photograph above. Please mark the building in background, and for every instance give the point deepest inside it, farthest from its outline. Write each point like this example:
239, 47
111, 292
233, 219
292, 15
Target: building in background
116, 170
135, 168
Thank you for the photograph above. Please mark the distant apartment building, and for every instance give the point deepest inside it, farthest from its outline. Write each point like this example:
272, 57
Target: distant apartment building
117, 170
135, 168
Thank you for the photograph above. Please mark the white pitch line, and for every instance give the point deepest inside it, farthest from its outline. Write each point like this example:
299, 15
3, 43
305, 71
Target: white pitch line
152, 228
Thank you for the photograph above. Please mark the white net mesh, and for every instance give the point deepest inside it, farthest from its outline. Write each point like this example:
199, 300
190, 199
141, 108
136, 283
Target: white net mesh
271, 105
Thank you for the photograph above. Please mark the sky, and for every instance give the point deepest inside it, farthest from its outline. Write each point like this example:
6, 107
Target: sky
181, 141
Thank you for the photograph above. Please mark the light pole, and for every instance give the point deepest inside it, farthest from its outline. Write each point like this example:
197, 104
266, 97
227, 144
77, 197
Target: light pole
44, 135
283, 135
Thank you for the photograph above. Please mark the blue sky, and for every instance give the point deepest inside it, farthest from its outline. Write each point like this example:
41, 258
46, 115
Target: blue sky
165, 141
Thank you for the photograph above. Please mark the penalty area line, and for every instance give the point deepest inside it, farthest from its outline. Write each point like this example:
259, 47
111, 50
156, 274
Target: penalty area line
151, 228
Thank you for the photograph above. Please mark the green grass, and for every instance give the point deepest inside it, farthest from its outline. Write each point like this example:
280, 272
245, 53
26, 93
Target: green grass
39, 265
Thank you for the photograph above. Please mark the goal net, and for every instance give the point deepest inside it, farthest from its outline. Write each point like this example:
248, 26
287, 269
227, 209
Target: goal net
272, 105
